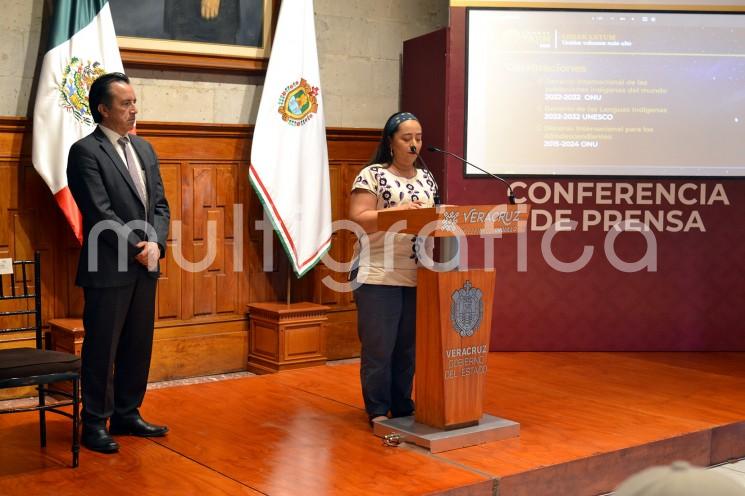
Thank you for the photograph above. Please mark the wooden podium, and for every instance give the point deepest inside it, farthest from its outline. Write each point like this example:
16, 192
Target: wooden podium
454, 312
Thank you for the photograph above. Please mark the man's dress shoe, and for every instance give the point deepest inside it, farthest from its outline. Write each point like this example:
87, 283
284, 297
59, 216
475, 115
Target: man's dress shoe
135, 426
96, 438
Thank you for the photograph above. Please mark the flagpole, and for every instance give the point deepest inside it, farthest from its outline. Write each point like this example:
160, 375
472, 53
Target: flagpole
289, 284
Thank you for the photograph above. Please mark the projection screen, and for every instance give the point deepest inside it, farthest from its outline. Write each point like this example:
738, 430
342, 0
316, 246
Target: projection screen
605, 93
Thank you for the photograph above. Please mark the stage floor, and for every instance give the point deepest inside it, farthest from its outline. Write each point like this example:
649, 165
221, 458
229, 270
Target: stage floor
588, 420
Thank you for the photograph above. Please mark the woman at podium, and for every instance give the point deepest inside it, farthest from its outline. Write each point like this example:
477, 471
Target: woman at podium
385, 267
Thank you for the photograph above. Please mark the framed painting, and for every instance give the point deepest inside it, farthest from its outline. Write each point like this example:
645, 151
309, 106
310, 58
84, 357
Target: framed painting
219, 35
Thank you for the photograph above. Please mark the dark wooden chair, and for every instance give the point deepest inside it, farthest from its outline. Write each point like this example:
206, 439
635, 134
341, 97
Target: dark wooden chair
20, 305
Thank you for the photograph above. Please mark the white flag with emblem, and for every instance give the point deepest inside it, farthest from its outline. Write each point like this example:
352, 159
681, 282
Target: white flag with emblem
82, 46
289, 159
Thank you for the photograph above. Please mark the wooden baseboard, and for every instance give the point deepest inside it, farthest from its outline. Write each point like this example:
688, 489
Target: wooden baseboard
179, 350
199, 349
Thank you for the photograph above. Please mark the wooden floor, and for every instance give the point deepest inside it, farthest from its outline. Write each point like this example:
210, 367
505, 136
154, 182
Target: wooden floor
588, 420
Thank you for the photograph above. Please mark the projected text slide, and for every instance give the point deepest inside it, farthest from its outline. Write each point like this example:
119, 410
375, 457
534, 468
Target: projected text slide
606, 93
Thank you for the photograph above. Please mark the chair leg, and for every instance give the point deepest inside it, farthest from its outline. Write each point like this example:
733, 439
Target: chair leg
42, 417
75, 421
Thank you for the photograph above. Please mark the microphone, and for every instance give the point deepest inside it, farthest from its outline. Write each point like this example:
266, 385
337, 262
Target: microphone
436, 196
510, 194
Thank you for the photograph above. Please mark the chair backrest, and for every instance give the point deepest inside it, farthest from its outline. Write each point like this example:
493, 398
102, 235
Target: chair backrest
20, 299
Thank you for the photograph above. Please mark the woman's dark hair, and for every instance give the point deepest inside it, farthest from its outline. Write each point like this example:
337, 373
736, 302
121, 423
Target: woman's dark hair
383, 153
100, 93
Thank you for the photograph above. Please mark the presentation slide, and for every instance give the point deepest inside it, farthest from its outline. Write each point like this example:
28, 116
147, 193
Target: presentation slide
556, 92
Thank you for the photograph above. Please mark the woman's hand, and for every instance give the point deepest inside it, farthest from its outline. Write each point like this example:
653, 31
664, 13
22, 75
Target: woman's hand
411, 206
210, 8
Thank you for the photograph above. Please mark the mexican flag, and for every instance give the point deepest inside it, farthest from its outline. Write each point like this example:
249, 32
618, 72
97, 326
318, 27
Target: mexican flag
289, 159
82, 46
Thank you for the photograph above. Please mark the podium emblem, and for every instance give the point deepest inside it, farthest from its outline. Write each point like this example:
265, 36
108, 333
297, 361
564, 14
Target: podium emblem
466, 309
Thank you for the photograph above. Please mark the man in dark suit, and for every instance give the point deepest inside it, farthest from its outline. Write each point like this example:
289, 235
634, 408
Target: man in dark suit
115, 179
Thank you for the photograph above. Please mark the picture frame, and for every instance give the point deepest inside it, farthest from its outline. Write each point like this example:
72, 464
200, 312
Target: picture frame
148, 31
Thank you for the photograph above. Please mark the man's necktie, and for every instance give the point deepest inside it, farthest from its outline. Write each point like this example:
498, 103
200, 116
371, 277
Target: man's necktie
132, 167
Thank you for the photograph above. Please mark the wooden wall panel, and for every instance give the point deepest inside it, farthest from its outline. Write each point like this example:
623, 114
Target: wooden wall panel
342, 173
169, 286
200, 316
8, 174
213, 187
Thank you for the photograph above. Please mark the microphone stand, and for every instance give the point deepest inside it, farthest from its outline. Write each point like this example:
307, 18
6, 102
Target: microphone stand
510, 193
436, 196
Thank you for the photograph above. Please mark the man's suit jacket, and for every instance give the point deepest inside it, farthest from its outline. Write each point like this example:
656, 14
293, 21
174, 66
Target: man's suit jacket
106, 196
